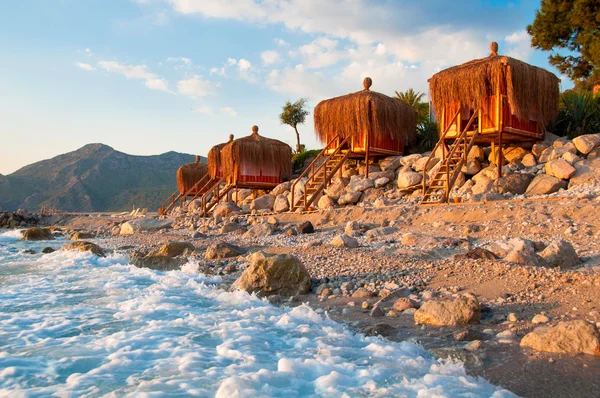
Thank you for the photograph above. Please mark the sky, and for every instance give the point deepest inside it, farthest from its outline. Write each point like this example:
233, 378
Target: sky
152, 76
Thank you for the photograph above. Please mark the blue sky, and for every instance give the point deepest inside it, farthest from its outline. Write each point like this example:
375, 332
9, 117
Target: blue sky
150, 76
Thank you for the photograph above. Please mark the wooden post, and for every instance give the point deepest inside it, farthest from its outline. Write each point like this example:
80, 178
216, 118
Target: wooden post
367, 154
500, 158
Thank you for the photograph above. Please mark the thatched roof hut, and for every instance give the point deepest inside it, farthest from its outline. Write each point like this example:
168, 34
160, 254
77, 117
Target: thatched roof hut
189, 174
214, 158
532, 92
363, 112
257, 159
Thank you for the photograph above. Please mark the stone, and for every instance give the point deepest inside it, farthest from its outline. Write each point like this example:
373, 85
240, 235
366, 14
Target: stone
259, 231
281, 204
572, 337
410, 160
525, 256
514, 154
82, 235
586, 143
390, 163
501, 248
587, 172
143, 225
412, 239
382, 231
377, 311
349, 198
264, 202
560, 254
538, 149
344, 241
540, 318
352, 226
335, 190
282, 188
381, 182
359, 184
529, 160
473, 345
570, 158
230, 227
361, 292
306, 227
419, 165
476, 254
409, 179
476, 153
515, 184
223, 250
173, 249
404, 303
226, 209
325, 203
47, 250
471, 167
462, 311
83, 246
544, 184
512, 317
281, 274
34, 234
482, 186
560, 168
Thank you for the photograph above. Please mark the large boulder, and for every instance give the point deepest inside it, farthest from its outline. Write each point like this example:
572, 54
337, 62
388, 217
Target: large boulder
514, 154
226, 209
349, 198
223, 250
471, 167
359, 184
325, 203
37, 234
264, 202
80, 235
410, 160
476, 153
420, 164
409, 179
281, 274
335, 190
572, 337
306, 227
168, 257
259, 231
586, 143
390, 163
281, 204
230, 227
482, 186
344, 240
282, 188
173, 249
83, 246
587, 172
544, 184
143, 225
560, 254
513, 183
462, 311
560, 168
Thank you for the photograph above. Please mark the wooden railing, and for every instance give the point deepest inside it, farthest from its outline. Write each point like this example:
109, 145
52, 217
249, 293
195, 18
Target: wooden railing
172, 199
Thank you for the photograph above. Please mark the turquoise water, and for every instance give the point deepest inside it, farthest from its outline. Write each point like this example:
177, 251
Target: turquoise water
72, 324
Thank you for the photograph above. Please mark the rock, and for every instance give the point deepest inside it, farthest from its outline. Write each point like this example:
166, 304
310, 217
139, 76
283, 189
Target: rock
482, 186
514, 154
410, 160
526, 256
282, 188
259, 231
83, 246
382, 231
361, 292
540, 318
409, 179
47, 250
372, 169
344, 241
473, 345
352, 226
476, 153
325, 203
390, 163
335, 190
570, 158
381, 182
512, 317
82, 235
460, 312
513, 183
143, 225
586, 143
501, 248
230, 227
223, 250
377, 311
419, 165
383, 330
226, 209
306, 227
264, 202
173, 249
471, 167
538, 149
528, 160
560, 168
281, 204
587, 172
544, 184
412, 239
359, 184
476, 254
32, 234
281, 274
560, 254
349, 198
404, 303
573, 337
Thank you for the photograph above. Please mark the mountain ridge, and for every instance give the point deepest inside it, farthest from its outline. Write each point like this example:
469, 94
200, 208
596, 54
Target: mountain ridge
95, 177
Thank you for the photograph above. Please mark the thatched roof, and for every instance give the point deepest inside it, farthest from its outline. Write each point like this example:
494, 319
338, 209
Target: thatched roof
214, 157
264, 152
366, 110
189, 174
533, 93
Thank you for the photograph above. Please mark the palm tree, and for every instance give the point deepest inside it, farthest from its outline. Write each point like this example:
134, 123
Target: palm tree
413, 98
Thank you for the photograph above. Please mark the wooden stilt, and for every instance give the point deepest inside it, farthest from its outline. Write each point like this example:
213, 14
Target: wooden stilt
500, 157
367, 156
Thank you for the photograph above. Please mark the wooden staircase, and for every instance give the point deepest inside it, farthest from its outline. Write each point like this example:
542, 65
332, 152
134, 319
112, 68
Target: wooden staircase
319, 174
438, 188
214, 193
203, 185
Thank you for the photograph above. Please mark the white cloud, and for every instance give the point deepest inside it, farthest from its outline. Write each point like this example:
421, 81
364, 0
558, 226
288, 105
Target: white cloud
140, 72
519, 45
89, 52
321, 52
244, 64
269, 57
183, 60
203, 109
228, 111
194, 87
281, 43
85, 66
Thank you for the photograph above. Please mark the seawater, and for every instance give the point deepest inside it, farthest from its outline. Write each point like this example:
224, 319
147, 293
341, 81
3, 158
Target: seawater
73, 324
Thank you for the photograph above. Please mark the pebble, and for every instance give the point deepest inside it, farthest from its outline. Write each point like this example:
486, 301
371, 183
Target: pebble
540, 318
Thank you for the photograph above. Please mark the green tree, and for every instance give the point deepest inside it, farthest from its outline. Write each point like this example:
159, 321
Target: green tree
574, 26
294, 114
414, 99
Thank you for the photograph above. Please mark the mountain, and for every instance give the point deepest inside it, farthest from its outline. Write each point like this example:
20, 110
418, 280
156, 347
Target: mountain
93, 178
